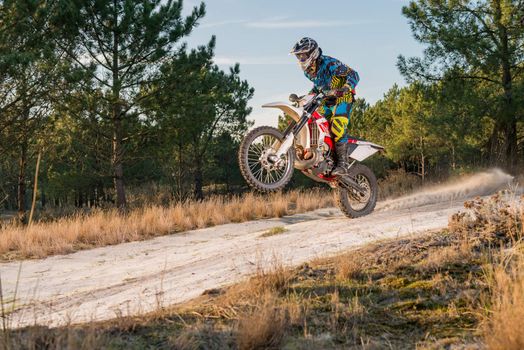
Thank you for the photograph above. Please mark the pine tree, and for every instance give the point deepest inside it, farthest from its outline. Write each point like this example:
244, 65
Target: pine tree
479, 41
122, 44
212, 102
30, 68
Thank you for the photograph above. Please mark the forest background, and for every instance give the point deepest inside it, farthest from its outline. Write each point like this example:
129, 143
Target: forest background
117, 112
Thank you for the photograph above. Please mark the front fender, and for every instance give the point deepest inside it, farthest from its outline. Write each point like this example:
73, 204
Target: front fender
303, 137
288, 109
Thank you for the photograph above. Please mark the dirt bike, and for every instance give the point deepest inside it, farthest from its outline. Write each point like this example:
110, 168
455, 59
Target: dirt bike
267, 156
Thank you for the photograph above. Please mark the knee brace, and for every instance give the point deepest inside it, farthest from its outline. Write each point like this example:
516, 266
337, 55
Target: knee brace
339, 126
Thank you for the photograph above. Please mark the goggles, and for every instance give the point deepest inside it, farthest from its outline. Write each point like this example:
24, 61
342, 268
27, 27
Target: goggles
303, 56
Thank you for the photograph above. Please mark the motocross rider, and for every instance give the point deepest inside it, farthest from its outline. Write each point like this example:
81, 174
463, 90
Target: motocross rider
328, 73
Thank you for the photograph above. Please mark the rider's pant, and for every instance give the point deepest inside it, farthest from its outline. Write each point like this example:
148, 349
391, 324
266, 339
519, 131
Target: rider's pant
338, 117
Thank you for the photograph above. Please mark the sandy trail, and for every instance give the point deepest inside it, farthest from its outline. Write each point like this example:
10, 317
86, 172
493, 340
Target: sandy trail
137, 277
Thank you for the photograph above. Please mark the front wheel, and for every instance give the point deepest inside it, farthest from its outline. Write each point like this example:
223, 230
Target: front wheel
354, 204
258, 162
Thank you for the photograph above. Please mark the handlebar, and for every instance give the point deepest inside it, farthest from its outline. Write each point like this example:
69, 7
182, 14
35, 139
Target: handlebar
320, 95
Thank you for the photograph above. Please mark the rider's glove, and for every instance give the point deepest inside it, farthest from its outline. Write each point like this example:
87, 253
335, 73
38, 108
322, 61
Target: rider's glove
342, 91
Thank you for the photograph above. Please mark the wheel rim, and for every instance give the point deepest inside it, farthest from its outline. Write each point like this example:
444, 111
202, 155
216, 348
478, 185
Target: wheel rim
359, 201
262, 162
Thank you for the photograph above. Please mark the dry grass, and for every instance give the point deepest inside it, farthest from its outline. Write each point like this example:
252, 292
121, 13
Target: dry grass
102, 228
262, 327
497, 226
67, 338
503, 329
457, 253
348, 267
498, 220
272, 279
199, 336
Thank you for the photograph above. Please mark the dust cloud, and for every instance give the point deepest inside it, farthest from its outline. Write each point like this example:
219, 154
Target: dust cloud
479, 184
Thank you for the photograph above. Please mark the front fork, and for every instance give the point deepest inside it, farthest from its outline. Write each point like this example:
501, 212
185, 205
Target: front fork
289, 137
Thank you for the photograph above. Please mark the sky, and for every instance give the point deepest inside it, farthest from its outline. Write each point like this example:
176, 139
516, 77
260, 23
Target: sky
258, 34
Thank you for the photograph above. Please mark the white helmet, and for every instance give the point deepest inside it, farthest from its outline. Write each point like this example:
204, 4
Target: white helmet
307, 51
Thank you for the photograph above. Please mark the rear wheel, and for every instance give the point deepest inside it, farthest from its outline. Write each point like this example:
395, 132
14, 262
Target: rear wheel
355, 204
258, 162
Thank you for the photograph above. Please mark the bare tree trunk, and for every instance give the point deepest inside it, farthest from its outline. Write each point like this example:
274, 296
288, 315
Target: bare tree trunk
199, 181
494, 144
509, 125
179, 173
21, 183
35, 188
227, 179
422, 160
511, 143
118, 168
423, 166
453, 160
118, 154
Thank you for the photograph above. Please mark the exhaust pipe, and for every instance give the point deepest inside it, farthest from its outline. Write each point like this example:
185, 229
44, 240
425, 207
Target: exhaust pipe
307, 163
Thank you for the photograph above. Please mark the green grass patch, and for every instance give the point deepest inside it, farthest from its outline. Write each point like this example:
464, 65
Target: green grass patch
274, 231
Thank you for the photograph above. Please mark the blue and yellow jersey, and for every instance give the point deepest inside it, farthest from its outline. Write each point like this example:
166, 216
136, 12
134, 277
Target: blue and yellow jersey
332, 74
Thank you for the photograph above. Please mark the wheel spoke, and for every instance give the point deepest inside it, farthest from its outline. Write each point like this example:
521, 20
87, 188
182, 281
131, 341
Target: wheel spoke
253, 166
259, 145
266, 178
255, 150
257, 173
271, 175
253, 157
356, 201
258, 149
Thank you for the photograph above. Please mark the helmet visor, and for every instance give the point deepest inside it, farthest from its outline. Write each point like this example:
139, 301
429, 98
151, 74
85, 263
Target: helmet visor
303, 56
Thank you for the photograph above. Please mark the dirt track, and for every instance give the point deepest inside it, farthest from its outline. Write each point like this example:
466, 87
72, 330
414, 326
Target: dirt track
137, 277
